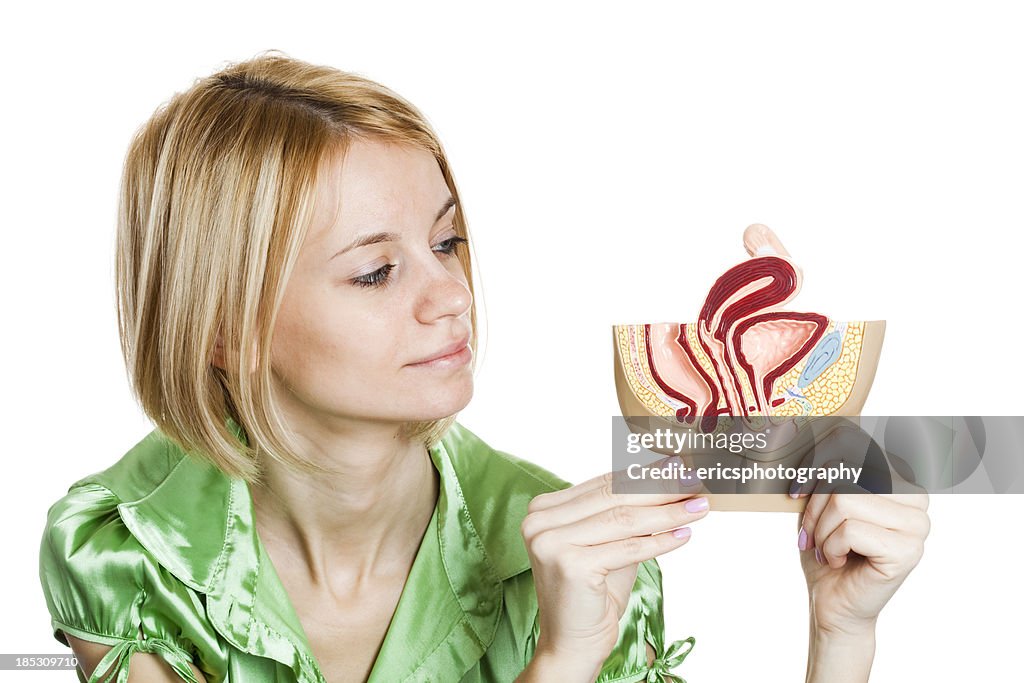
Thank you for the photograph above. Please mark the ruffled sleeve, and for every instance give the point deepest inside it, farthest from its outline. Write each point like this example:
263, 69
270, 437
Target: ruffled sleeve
100, 585
643, 622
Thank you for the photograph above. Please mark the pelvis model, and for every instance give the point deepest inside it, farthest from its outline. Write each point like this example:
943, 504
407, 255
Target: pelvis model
746, 361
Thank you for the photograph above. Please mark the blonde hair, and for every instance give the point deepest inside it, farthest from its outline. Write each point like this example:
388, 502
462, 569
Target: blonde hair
216, 199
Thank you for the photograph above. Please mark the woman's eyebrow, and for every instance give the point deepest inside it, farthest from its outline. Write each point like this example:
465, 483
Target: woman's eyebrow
377, 237
449, 203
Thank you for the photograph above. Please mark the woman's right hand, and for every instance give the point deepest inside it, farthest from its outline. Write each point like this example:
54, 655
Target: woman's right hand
585, 544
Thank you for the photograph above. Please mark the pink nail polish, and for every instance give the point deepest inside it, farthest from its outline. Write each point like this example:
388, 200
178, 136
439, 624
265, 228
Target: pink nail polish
682, 532
817, 554
801, 540
696, 504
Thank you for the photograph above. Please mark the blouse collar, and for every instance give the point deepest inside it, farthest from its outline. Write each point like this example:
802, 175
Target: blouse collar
200, 525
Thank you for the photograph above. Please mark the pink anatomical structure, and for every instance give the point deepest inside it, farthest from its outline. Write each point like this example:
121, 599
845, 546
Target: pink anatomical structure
745, 355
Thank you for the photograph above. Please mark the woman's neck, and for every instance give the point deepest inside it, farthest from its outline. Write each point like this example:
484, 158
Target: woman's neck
347, 529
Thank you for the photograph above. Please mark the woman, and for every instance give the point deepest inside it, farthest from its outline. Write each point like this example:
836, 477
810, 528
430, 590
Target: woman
297, 317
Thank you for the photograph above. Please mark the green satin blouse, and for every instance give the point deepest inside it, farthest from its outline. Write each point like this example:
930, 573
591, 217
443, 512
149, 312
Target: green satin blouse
163, 544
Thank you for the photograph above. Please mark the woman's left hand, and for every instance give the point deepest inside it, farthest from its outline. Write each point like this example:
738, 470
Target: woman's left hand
856, 550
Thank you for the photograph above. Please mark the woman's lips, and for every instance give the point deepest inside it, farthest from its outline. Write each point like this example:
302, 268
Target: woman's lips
451, 356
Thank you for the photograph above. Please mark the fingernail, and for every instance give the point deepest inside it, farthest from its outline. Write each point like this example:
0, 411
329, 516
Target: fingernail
696, 504
690, 478
794, 490
818, 556
801, 540
682, 532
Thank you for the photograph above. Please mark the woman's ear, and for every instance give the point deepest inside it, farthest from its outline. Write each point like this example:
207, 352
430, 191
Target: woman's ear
218, 355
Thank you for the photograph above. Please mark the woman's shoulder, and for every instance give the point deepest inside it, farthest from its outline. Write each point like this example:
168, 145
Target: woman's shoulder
137, 472
100, 583
86, 546
85, 541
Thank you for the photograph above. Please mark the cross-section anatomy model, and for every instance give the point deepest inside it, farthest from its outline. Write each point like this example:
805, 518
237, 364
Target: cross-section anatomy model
745, 355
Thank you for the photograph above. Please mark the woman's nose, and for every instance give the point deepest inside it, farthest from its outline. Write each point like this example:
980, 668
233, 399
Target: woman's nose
444, 293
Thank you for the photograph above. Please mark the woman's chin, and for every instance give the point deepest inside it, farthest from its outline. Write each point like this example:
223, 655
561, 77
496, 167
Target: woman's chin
440, 406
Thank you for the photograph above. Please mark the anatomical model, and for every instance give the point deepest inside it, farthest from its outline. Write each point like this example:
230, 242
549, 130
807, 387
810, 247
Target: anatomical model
747, 358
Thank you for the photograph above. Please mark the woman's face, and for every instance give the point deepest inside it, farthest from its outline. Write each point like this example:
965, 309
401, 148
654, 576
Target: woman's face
376, 291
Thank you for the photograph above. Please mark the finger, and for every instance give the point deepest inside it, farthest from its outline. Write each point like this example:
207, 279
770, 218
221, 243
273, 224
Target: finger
603, 502
600, 499
893, 553
841, 441
820, 494
851, 447
816, 485
873, 509
815, 504
854, 447
828, 454
625, 521
760, 240
916, 495
607, 480
553, 498
917, 500
629, 551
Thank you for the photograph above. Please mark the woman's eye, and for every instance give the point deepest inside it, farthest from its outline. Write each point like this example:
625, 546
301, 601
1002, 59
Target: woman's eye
378, 278
449, 245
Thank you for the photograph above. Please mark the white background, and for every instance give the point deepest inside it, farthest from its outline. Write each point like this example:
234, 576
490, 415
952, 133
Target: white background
608, 160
